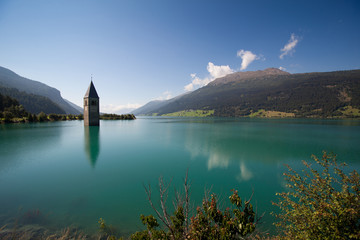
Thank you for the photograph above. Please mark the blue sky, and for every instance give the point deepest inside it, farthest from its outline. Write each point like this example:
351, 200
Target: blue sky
139, 51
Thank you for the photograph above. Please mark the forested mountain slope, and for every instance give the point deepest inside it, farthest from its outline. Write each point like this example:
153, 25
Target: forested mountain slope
9, 79
31, 102
326, 94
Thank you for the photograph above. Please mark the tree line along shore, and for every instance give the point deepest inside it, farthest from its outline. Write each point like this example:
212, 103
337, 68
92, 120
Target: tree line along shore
13, 112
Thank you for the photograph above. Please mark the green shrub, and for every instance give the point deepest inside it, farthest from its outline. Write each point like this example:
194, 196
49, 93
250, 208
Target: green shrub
80, 117
209, 222
42, 117
7, 116
107, 232
54, 117
323, 202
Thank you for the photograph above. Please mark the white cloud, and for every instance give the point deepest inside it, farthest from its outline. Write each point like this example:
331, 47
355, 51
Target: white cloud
218, 71
120, 109
282, 68
289, 47
196, 82
165, 96
217, 161
189, 87
247, 58
245, 174
215, 71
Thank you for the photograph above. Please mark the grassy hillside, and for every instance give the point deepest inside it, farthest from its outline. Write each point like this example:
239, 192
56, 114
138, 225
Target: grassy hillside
191, 113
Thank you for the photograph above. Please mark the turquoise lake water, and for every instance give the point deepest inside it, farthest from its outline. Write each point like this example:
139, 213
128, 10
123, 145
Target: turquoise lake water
62, 173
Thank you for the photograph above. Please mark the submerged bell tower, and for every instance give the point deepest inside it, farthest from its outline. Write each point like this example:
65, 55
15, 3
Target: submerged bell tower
91, 107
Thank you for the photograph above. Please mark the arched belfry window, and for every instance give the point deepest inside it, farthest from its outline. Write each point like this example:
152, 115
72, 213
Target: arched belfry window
93, 103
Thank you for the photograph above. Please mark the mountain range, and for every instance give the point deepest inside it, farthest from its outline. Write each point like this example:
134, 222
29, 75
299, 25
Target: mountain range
35, 96
264, 93
269, 92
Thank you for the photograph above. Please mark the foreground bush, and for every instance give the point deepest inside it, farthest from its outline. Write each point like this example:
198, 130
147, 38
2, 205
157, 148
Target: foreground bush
209, 221
323, 202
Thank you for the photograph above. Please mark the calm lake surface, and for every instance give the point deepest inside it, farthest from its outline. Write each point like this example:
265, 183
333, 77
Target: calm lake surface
62, 173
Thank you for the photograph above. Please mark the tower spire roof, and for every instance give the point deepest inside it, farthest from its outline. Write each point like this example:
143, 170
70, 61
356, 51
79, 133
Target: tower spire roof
91, 92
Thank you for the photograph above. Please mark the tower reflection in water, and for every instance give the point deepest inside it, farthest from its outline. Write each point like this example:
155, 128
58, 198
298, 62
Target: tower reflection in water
92, 143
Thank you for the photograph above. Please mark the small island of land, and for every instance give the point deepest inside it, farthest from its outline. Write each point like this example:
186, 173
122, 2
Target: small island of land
107, 116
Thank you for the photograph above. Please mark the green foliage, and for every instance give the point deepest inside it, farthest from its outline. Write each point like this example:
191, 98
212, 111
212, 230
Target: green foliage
191, 113
31, 102
323, 202
71, 117
7, 116
349, 112
30, 117
107, 231
6, 101
17, 113
209, 222
42, 117
270, 114
151, 232
63, 117
11, 110
54, 117
107, 116
178, 222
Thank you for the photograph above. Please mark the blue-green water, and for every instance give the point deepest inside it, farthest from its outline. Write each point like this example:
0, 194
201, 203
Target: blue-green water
74, 175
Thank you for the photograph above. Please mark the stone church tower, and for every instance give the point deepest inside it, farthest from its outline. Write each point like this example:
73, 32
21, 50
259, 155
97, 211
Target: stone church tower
91, 107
